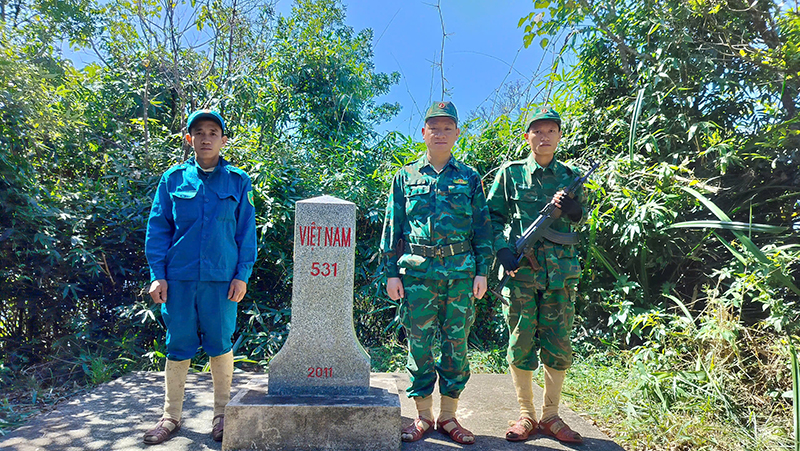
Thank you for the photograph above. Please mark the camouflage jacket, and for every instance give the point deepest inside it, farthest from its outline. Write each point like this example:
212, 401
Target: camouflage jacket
437, 209
520, 190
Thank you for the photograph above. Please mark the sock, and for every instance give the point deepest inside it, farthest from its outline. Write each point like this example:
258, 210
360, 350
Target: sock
553, 381
523, 384
175, 378
222, 375
424, 410
424, 407
448, 408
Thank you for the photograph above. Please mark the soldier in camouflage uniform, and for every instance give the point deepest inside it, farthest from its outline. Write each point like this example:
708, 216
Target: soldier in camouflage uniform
437, 247
541, 292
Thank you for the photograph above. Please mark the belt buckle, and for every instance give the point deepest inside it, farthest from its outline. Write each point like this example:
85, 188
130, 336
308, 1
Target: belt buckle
437, 252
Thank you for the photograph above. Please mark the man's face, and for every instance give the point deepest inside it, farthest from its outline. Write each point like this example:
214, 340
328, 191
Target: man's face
543, 137
206, 139
440, 134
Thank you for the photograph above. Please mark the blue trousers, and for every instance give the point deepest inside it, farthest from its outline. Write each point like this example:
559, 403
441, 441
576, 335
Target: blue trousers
198, 314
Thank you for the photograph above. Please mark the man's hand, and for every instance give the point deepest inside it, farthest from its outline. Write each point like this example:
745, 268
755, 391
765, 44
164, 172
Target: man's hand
158, 291
568, 206
509, 262
237, 290
479, 286
394, 288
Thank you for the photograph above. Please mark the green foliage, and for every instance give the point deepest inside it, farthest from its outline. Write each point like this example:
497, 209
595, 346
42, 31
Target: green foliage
690, 248
692, 106
81, 151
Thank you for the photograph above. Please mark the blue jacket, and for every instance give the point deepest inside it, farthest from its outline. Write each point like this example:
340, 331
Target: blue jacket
202, 227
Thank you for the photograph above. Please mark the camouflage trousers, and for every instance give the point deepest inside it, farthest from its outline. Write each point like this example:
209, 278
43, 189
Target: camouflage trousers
539, 325
445, 307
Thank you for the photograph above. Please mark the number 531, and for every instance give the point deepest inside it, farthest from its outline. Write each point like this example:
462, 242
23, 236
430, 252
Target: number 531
324, 269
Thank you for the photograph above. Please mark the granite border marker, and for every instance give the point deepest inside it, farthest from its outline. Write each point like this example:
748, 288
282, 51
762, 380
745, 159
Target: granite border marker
319, 393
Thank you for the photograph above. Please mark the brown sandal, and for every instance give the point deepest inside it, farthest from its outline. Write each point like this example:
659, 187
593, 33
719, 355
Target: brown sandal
217, 427
520, 430
458, 434
416, 430
555, 427
160, 432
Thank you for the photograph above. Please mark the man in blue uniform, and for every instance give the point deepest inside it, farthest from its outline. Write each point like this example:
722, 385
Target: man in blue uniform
201, 247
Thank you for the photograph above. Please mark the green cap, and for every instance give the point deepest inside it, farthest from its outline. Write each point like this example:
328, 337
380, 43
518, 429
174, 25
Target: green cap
442, 109
205, 114
544, 114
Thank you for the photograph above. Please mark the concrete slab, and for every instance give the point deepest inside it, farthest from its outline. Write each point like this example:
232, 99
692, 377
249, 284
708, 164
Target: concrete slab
256, 420
114, 416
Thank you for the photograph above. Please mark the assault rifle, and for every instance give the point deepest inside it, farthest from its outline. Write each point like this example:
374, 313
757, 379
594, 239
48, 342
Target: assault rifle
537, 229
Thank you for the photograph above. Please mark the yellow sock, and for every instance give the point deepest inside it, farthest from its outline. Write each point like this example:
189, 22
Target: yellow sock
222, 375
424, 407
175, 379
523, 384
448, 408
553, 381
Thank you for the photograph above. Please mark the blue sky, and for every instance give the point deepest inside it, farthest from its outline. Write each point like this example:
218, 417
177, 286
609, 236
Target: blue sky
483, 52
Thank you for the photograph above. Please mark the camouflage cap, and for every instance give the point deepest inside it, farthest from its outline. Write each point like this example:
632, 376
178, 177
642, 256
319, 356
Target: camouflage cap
442, 109
544, 114
205, 114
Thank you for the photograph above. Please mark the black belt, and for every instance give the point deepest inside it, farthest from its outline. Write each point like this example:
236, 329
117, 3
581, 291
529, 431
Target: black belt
438, 251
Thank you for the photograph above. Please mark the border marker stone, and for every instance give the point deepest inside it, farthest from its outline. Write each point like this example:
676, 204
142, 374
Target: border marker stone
319, 394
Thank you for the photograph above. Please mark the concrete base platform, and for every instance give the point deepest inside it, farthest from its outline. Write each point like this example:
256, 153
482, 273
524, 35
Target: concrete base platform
255, 420
115, 416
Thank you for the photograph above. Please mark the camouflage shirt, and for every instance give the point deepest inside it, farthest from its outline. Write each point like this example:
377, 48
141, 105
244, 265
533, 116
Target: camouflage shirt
519, 192
437, 209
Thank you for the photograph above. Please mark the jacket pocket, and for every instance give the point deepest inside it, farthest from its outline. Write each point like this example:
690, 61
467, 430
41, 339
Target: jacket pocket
418, 199
460, 198
185, 204
226, 209
526, 202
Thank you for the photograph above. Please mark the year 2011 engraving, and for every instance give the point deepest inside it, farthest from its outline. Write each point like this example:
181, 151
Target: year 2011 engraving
320, 372
324, 269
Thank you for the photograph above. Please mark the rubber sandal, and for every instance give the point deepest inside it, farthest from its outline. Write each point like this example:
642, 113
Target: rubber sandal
520, 430
416, 430
458, 434
555, 427
217, 427
160, 433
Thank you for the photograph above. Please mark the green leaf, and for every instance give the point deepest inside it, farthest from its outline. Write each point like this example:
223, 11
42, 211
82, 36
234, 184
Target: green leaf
637, 109
526, 40
746, 242
681, 306
728, 225
544, 42
524, 19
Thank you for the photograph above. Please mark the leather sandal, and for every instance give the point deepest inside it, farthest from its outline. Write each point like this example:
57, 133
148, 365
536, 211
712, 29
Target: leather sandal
520, 430
458, 434
416, 430
217, 428
160, 433
555, 427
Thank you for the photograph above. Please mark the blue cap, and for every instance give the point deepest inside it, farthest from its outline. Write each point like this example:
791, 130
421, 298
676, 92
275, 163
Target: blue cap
205, 114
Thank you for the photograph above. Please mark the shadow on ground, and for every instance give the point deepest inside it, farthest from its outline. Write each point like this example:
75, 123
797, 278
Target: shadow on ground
115, 416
